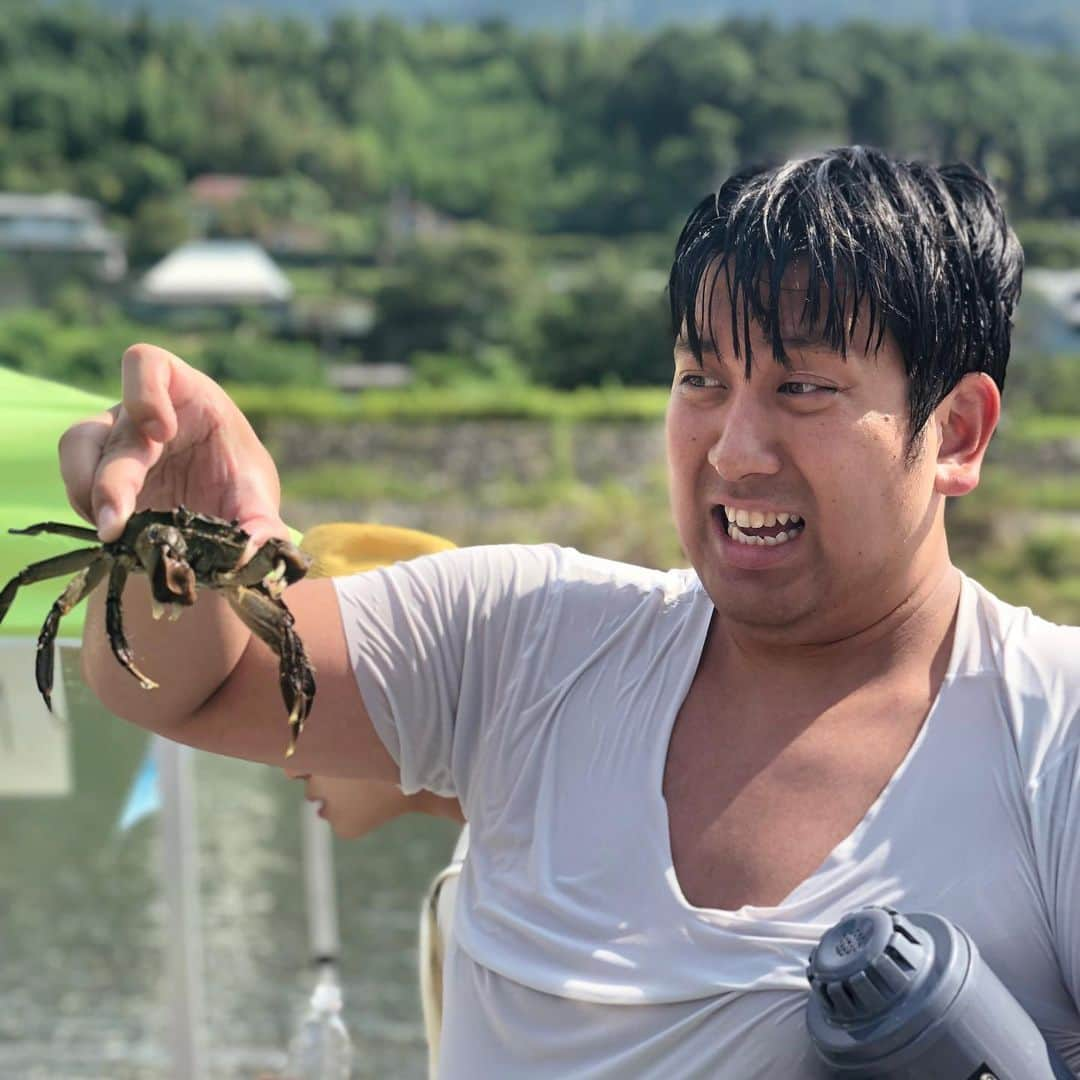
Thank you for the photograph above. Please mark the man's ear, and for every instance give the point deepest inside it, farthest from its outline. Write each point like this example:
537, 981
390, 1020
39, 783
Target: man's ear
966, 419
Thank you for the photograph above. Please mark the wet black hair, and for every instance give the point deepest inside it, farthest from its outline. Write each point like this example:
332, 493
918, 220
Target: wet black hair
923, 252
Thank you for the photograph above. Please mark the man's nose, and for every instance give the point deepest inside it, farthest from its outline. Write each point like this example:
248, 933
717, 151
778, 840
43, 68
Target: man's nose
745, 443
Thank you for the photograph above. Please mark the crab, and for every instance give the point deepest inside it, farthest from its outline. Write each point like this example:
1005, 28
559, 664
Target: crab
179, 551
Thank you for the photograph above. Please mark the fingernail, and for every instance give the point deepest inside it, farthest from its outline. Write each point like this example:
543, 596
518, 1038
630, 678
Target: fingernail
108, 520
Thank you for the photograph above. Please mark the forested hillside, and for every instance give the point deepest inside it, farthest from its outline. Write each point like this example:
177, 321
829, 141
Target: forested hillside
613, 134
554, 170
1039, 22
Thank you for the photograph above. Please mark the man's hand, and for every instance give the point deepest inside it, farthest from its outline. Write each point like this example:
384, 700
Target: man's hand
175, 438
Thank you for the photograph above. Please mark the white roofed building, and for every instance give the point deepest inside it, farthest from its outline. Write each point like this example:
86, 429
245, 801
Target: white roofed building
216, 274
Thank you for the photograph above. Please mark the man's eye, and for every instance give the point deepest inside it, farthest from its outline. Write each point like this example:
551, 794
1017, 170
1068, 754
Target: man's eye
806, 389
698, 381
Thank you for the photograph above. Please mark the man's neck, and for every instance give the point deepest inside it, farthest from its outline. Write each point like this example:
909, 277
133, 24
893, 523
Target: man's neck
904, 633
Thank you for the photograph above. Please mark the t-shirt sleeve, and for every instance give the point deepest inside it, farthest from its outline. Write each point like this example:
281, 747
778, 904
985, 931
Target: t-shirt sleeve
1056, 807
434, 643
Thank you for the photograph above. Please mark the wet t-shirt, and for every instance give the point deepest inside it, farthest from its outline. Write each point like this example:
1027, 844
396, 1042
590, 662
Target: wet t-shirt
539, 686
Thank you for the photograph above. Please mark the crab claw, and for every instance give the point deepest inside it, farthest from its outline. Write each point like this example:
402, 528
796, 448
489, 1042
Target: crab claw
276, 581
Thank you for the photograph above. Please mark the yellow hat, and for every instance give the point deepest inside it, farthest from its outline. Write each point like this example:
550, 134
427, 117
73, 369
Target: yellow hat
347, 547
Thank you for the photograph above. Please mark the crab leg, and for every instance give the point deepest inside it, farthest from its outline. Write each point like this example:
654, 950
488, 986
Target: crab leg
297, 682
79, 586
272, 622
114, 625
276, 564
42, 571
77, 532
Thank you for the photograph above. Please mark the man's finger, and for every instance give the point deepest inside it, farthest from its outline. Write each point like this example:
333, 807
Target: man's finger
80, 451
126, 457
146, 373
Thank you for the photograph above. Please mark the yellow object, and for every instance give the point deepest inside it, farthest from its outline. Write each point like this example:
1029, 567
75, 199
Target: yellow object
347, 547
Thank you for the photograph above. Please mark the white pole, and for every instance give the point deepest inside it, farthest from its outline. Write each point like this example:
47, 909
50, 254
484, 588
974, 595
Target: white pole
180, 872
323, 934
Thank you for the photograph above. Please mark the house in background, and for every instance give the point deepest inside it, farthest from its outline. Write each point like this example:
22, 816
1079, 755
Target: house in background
213, 277
48, 239
219, 205
210, 195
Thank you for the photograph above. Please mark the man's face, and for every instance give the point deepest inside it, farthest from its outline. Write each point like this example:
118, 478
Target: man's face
824, 440
343, 802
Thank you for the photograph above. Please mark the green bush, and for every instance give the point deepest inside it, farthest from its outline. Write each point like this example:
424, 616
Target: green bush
1053, 244
240, 359
610, 325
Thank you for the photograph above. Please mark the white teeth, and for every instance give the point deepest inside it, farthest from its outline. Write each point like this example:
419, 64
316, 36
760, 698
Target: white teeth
760, 541
755, 519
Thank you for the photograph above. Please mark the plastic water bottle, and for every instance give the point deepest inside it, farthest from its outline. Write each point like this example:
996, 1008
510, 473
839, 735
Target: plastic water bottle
909, 997
321, 1048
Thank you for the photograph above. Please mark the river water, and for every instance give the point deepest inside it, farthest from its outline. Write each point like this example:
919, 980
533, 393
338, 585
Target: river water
82, 921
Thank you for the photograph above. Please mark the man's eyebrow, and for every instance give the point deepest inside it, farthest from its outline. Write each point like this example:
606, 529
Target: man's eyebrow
707, 348
804, 341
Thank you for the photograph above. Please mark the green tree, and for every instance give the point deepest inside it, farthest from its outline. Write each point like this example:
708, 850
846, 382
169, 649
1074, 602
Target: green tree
608, 326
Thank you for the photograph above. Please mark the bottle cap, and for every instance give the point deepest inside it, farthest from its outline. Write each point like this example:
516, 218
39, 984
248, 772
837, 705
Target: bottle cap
326, 997
878, 981
865, 962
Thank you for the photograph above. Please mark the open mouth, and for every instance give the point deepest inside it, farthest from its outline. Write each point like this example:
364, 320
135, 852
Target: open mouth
781, 528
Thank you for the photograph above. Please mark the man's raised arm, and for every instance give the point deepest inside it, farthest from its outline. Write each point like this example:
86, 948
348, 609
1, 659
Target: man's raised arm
178, 439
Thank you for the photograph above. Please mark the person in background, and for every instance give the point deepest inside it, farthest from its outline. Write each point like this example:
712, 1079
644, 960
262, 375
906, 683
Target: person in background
354, 808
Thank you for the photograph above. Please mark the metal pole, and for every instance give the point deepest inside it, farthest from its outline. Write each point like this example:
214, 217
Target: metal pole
180, 873
323, 934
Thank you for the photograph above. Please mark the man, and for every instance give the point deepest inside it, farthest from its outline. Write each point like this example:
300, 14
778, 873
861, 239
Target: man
675, 782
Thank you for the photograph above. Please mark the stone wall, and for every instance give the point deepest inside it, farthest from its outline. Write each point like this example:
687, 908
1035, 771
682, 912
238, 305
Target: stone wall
471, 452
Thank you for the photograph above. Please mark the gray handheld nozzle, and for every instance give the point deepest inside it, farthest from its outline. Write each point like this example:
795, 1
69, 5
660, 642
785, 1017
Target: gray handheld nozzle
908, 997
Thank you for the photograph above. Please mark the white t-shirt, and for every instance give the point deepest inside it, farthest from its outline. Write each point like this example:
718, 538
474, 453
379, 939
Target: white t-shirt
540, 686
